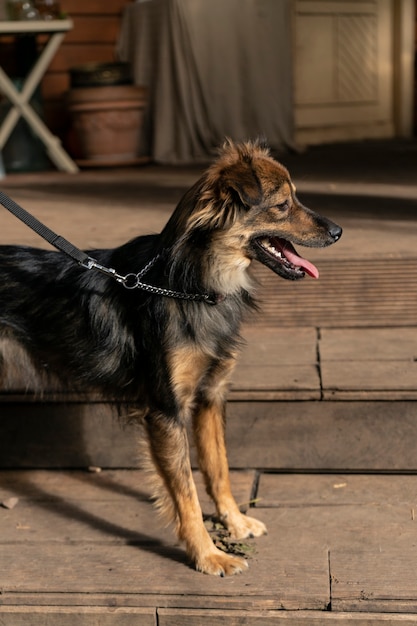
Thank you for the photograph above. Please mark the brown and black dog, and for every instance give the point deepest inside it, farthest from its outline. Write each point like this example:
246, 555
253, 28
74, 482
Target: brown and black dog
170, 349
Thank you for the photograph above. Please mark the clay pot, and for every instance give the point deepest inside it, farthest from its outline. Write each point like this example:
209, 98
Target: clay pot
108, 122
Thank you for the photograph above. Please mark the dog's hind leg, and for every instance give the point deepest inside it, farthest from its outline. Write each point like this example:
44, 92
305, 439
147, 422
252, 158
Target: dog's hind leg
209, 436
169, 449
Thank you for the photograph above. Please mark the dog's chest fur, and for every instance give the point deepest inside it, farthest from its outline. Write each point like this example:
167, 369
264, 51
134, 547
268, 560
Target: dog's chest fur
201, 356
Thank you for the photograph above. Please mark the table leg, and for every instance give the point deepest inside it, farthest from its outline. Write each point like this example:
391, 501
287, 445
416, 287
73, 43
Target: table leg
21, 107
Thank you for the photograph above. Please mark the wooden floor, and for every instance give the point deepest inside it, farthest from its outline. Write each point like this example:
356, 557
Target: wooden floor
84, 548
322, 432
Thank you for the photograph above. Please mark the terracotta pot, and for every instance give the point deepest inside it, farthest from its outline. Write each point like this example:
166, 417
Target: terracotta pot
108, 122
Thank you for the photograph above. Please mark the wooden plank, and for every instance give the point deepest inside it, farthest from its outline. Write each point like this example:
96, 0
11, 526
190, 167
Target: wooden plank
354, 516
396, 377
371, 362
381, 575
371, 551
111, 7
344, 296
289, 490
278, 346
149, 600
98, 488
276, 382
368, 529
276, 364
60, 435
375, 395
19, 616
192, 617
82, 616
368, 344
374, 436
72, 55
86, 227
369, 436
86, 567
274, 395
64, 521
77, 485
94, 28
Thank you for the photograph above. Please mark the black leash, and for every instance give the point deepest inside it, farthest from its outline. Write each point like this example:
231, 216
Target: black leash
130, 281
56, 240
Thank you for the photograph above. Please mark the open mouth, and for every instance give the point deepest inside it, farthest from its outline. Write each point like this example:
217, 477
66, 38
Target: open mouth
281, 256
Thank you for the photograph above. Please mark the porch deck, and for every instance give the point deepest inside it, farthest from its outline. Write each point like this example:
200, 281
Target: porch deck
322, 427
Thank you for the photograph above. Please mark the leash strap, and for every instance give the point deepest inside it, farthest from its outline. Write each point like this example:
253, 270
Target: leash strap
130, 281
55, 240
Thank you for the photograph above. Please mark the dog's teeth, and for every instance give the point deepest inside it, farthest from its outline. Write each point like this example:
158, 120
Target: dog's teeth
270, 246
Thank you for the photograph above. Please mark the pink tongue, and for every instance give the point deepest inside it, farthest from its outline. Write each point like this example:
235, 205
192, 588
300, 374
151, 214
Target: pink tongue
292, 256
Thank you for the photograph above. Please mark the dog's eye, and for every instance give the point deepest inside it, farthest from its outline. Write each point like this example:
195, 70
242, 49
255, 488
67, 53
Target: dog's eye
282, 206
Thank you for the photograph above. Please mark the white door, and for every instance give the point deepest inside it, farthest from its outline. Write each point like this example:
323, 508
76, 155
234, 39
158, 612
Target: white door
343, 70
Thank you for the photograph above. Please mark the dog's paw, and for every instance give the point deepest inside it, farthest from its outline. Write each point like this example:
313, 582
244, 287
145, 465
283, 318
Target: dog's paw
218, 563
243, 526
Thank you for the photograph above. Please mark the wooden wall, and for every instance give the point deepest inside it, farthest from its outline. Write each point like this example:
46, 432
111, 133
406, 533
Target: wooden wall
93, 39
415, 69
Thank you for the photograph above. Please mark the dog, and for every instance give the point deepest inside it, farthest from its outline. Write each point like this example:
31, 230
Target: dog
169, 345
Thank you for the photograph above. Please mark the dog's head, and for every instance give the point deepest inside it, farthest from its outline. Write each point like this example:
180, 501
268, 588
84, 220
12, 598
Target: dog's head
246, 206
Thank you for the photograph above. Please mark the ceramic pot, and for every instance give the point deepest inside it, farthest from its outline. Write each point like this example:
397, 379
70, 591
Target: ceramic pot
108, 122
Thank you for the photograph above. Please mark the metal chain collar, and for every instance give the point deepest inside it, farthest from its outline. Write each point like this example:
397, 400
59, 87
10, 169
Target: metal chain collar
133, 281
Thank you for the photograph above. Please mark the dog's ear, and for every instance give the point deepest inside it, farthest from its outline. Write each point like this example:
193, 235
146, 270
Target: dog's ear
243, 181
230, 184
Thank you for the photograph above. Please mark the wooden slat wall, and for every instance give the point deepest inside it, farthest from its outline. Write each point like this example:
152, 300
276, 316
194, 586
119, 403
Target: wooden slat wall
93, 39
415, 69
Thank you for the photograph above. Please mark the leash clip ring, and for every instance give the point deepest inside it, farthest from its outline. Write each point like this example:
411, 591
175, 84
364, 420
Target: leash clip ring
130, 281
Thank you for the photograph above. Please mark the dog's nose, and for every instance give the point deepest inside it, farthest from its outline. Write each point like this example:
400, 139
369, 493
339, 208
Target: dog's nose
335, 231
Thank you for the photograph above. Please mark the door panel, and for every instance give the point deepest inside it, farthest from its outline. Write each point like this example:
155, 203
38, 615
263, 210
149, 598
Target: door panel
343, 70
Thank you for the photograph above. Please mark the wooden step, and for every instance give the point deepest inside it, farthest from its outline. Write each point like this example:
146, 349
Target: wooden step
350, 293
309, 399
306, 435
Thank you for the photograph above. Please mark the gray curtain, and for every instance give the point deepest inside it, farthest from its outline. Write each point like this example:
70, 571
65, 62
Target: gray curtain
214, 68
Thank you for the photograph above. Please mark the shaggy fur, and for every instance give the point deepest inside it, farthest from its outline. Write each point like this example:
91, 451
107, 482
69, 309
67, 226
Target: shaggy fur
61, 325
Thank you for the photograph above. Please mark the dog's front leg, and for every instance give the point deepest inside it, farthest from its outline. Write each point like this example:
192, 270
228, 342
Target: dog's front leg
170, 454
209, 435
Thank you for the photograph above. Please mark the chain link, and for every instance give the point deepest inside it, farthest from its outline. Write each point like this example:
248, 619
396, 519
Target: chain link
133, 281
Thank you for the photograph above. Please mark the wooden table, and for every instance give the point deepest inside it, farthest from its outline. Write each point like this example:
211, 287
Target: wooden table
20, 100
